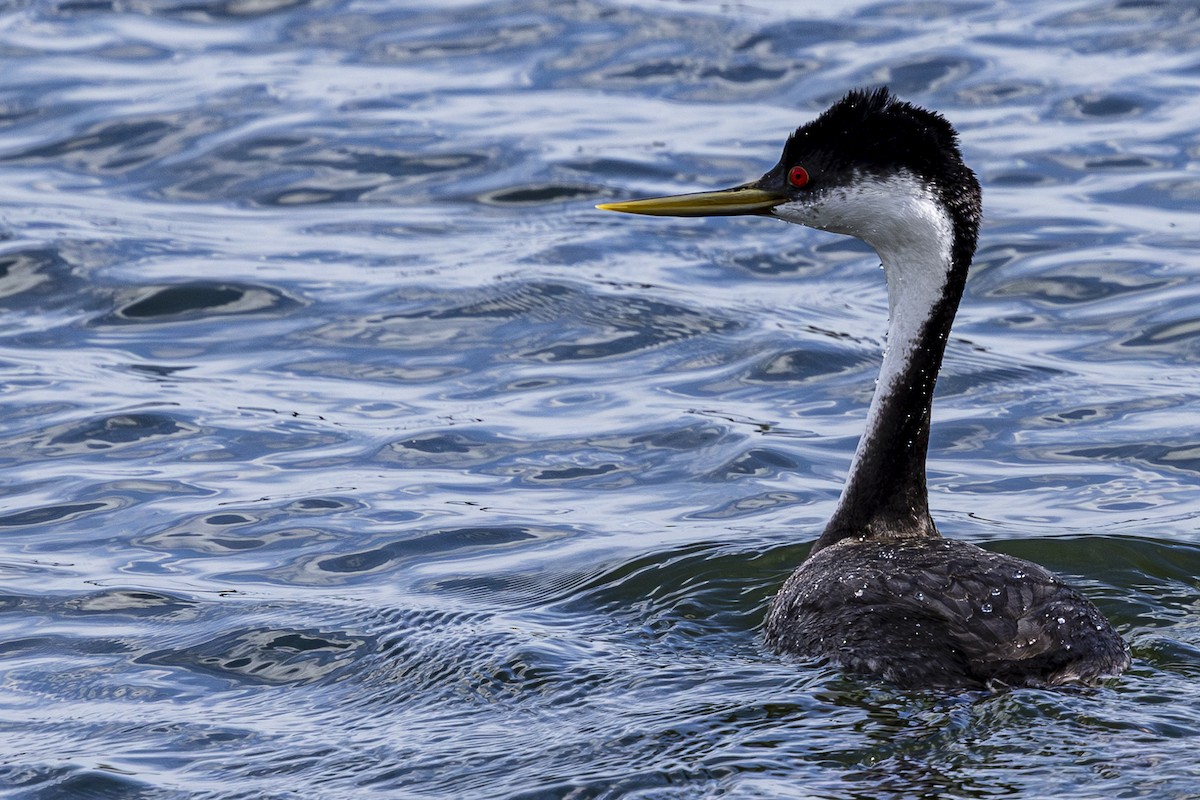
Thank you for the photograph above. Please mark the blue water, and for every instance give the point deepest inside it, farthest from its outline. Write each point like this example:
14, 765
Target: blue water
346, 451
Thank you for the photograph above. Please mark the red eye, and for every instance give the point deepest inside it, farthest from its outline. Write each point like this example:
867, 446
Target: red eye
798, 177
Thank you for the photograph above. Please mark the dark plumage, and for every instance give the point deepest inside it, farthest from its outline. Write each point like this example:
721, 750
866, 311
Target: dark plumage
939, 613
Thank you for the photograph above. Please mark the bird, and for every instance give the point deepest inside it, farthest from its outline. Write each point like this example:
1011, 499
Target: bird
882, 593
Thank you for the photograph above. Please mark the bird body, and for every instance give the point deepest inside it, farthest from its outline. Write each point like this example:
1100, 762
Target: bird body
882, 592
939, 613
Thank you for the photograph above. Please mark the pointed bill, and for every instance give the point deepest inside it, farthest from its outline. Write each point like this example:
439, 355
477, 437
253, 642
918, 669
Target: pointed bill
724, 203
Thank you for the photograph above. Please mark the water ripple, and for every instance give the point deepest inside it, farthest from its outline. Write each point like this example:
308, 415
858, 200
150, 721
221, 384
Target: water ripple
348, 449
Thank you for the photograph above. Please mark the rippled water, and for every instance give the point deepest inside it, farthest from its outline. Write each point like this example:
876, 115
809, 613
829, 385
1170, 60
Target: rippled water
347, 451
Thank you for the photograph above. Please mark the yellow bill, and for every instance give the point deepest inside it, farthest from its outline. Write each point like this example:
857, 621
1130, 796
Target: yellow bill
726, 202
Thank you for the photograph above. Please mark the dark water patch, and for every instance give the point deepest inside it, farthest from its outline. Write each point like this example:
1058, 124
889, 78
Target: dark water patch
742, 578
790, 263
758, 462
565, 398
957, 439
749, 72
967, 379
694, 590
135, 490
1176, 341
197, 539
437, 543
267, 656
1169, 333
71, 654
1021, 179
138, 603
288, 434
322, 505
801, 366
54, 513
181, 299
38, 277
1108, 159
124, 436
132, 603
279, 525
926, 74
794, 36
451, 450
537, 195
1073, 415
135, 52
104, 783
573, 473
112, 433
158, 373
314, 193
118, 146
1098, 412
385, 162
33, 778
987, 270
667, 69
1082, 283
117, 435
199, 300
1179, 457
1104, 106
14, 602
1171, 655
687, 438
61, 277
1123, 162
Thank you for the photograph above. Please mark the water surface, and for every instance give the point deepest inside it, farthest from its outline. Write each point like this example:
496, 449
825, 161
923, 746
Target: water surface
347, 451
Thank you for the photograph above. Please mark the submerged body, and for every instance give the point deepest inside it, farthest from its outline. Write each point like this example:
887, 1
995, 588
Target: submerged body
881, 591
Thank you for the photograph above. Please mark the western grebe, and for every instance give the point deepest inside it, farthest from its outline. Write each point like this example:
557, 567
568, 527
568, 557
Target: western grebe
882, 592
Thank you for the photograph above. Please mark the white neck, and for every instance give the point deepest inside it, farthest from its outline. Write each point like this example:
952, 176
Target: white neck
913, 236
916, 256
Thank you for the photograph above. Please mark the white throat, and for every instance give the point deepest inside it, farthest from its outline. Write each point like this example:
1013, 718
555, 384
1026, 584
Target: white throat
913, 235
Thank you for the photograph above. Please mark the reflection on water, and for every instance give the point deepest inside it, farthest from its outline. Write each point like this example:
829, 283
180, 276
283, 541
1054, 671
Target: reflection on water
346, 448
